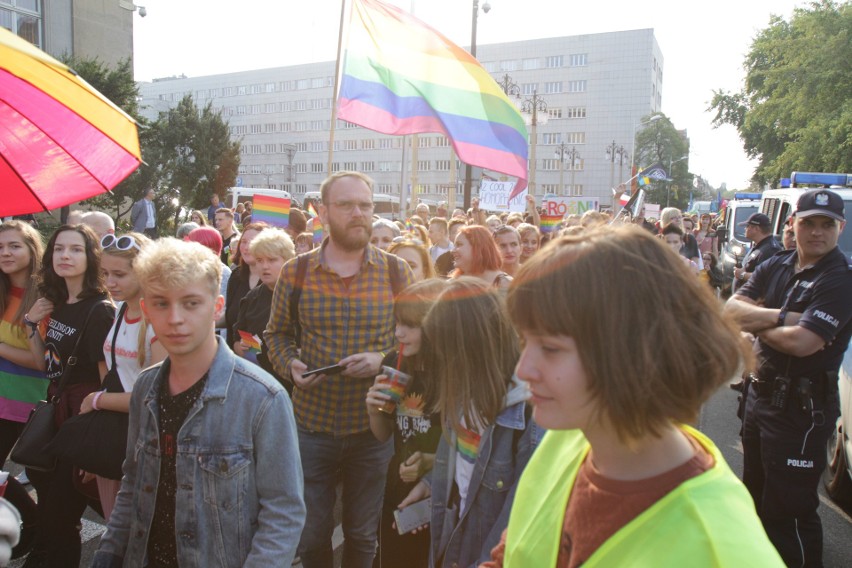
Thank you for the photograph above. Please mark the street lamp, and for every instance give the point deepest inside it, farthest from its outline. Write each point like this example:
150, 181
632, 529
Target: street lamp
562, 152
654, 118
530, 110
468, 170
612, 151
509, 87
671, 177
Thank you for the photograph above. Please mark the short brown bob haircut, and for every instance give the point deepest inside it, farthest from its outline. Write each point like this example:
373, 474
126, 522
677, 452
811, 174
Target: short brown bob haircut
651, 336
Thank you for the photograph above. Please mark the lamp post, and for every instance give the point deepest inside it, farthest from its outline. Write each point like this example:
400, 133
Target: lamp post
612, 151
562, 152
654, 118
468, 170
509, 87
671, 176
530, 109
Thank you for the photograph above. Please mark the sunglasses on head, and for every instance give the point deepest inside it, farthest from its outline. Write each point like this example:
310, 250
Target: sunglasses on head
125, 242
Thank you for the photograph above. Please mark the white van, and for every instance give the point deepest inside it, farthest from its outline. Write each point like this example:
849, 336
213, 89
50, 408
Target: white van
733, 245
779, 204
242, 194
386, 206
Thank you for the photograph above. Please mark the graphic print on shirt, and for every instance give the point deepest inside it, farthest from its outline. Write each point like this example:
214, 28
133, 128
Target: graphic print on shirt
410, 418
467, 445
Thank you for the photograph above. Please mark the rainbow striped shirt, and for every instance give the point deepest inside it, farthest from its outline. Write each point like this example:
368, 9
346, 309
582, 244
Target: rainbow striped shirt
20, 387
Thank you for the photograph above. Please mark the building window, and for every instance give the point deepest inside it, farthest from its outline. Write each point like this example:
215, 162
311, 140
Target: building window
301, 105
424, 165
442, 142
386, 143
287, 85
301, 168
554, 112
385, 188
551, 138
350, 145
269, 127
317, 168
368, 144
577, 86
575, 190
491, 66
319, 146
529, 88
284, 127
287, 106
529, 64
242, 170
301, 188
442, 165
302, 84
241, 90
575, 112
319, 125
269, 148
368, 166
229, 91
424, 142
301, 125
552, 87
389, 166
576, 138
269, 87
269, 107
509, 65
318, 83
550, 164
350, 166
301, 146
554, 61
255, 128
241, 109
579, 60
549, 188
257, 169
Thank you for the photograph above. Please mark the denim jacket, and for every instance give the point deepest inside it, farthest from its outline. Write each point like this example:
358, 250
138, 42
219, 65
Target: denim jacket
239, 476
466, 538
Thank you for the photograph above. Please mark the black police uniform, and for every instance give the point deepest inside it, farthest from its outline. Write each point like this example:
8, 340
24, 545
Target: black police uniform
784, 448
762, 251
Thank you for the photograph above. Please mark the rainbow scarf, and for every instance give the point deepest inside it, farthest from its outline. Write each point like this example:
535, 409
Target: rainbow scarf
550, 223
467, 444
400, 76
274, 211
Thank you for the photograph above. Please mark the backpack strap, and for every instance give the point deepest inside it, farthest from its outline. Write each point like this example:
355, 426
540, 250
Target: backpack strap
296, 295
393, 270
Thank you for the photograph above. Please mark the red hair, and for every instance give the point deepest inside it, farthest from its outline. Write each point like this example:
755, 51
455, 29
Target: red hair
207, 236
486, 255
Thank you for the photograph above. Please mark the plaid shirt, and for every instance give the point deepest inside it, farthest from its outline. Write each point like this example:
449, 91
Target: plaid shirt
337, 321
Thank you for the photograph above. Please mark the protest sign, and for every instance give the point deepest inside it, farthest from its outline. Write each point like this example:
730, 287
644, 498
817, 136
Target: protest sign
494, 196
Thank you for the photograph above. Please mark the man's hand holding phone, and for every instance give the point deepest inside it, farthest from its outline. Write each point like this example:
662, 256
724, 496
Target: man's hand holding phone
304, 378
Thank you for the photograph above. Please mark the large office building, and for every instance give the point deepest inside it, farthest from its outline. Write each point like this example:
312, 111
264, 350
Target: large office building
591, 94
85, 28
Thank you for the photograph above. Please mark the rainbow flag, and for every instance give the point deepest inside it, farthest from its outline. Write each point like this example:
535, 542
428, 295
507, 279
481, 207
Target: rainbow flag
253, 343
550, 223
400, 76
467, 444
315, 226
311, 211
272, 210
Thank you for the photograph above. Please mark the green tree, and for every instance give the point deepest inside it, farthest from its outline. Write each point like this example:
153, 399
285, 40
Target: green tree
795, 111
188, 155
661, 142
117, 85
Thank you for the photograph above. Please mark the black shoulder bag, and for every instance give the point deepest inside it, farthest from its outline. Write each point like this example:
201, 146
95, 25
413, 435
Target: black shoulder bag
40, 429
96, 441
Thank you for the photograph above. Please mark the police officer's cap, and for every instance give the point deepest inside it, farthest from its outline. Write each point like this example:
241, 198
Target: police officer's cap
821, 202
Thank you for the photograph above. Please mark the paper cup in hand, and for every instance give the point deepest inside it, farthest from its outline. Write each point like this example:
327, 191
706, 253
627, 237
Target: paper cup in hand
396, 382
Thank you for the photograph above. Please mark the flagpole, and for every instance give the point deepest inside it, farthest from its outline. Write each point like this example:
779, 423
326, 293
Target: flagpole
336, 87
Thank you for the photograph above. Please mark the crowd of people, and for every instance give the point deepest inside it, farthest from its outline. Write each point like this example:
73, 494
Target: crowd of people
452, 377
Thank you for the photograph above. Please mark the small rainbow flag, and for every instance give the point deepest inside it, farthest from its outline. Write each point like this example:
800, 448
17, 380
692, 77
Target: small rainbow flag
311, 211
400, 76
315, 226
253, 343
274, 211
550, 223
467, 444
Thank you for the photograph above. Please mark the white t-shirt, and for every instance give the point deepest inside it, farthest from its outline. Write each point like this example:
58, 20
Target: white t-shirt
127, 349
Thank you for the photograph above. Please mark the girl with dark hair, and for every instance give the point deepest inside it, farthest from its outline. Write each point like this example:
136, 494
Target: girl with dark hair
74, 306
488, 434
414, 428
476, 254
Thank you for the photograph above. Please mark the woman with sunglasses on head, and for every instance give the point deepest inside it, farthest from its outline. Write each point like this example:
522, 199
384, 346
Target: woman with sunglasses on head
135, 347
73, 315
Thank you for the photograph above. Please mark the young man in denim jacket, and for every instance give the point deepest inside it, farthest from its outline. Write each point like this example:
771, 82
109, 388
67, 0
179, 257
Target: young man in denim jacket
212, 475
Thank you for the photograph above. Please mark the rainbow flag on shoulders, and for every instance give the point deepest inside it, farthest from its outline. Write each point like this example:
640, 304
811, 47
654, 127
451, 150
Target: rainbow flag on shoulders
400, 76
274, 211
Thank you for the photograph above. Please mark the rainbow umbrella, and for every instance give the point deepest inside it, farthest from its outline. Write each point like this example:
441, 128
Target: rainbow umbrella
61, 141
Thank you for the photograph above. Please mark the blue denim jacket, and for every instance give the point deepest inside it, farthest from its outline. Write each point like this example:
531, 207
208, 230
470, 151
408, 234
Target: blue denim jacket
239, 476
466, 538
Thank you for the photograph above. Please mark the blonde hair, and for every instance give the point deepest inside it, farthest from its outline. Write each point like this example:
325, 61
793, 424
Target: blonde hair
32, 240
675, 347
273, 242
130, 256
172, 264
472, 353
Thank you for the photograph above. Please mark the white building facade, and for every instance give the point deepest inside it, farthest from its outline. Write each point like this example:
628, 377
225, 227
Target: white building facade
596, 87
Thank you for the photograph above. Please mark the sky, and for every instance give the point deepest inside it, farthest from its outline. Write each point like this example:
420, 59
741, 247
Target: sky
704, 45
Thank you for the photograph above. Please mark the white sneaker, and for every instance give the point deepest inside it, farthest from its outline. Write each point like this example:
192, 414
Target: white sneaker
22, 478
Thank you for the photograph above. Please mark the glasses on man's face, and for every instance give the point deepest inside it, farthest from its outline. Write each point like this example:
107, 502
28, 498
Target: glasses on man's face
121, 243
348, 207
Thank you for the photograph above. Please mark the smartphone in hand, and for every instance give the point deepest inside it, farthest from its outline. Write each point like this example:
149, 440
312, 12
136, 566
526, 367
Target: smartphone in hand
330, 370
414, 516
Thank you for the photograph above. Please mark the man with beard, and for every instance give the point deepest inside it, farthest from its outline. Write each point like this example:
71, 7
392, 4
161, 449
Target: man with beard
336, 303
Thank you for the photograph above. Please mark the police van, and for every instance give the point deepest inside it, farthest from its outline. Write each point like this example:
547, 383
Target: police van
779, 204
733, 245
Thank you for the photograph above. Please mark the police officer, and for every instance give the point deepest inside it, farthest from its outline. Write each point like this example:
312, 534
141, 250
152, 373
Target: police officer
758, 229
798, 306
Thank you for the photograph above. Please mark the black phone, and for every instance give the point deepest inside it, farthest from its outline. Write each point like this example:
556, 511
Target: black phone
330, 370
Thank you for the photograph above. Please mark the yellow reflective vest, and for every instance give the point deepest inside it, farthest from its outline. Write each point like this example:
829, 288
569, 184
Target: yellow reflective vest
708, 520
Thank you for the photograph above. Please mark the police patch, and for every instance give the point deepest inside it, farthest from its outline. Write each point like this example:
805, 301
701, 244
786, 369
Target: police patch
821, 199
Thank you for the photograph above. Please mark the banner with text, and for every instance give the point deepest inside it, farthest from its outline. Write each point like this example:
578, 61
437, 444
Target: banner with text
494, 196
559, 205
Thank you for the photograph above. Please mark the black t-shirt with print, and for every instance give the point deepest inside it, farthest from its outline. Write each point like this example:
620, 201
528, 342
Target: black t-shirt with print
60, 336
